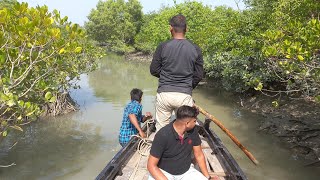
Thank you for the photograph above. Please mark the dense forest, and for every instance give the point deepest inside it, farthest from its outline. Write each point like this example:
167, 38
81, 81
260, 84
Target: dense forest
42, 55
271, 46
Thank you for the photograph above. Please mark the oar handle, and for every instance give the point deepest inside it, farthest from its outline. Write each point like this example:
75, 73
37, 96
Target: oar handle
233, 138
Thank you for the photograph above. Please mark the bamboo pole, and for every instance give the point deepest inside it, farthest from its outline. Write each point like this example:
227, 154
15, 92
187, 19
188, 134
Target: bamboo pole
233, 138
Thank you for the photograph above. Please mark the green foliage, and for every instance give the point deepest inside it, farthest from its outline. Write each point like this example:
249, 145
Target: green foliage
41, 55
115, 23
7, 4
157, 29
271, 47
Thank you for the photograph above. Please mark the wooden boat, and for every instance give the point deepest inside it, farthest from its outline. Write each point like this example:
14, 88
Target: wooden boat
130, 164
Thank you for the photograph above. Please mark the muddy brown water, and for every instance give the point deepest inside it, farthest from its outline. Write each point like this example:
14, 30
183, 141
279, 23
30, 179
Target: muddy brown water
80, 144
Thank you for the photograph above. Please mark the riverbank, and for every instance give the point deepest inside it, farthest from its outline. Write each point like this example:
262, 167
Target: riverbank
139, 56
295, 122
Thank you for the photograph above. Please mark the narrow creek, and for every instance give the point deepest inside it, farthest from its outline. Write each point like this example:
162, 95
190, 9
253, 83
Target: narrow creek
80, 144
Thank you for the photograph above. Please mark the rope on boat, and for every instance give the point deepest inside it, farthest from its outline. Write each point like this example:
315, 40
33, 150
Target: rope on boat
143, 148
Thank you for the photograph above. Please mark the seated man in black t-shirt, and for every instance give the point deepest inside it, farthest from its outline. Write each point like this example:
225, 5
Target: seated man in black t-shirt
170, 154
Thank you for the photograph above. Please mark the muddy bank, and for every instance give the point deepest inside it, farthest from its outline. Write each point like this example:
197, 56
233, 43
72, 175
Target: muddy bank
296, 122
139, 56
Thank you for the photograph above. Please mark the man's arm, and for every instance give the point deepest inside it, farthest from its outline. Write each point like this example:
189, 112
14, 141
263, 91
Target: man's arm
134, 121
198, 69
155, 67
198, 154
154, 170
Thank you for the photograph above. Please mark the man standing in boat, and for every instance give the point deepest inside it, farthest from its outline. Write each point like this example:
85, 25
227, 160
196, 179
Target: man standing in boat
172, 147
178, 63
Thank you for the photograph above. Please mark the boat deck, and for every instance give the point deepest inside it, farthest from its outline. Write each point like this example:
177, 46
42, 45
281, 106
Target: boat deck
136, 167
130, 163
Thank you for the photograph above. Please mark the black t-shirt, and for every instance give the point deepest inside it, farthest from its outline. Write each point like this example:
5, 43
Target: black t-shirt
178, 63
174, 153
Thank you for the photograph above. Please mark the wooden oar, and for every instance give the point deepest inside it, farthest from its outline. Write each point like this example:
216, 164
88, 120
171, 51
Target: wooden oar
234, 139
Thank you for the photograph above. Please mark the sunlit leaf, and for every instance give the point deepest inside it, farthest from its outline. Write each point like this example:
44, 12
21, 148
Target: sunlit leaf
78, 50
48, 96
301, 58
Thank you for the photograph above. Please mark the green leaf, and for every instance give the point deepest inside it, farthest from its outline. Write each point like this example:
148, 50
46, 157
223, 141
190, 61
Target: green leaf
17, 128
48, 96
4, 133
301, 58
53, 99
4, 123
78, 50
2, 59
259, 87
275, 104
10, 103
62, 51
30, 113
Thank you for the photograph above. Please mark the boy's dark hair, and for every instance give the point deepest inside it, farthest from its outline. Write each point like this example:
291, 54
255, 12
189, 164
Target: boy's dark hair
136, 94
187, 112
179, 23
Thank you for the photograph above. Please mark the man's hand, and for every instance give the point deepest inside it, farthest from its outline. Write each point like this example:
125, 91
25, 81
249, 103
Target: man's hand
148, 115
142, 134
214, 178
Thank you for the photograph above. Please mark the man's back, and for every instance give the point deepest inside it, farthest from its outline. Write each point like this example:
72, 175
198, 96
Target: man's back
180, 62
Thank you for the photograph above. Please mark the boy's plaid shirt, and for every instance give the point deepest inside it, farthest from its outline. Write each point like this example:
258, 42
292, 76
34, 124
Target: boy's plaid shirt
127, 129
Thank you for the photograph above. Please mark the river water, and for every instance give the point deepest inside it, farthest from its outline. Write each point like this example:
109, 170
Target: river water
80, 144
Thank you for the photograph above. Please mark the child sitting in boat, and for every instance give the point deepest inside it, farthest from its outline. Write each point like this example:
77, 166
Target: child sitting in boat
132, 117
170, 154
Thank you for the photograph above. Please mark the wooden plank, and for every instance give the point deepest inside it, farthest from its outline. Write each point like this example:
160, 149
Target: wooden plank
217, 167
126, 173
133, 160
213, 161
204, 143
140, 174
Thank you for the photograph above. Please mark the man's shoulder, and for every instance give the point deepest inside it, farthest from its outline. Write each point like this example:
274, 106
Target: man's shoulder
164, 132
162, 44
162, 137
193, 44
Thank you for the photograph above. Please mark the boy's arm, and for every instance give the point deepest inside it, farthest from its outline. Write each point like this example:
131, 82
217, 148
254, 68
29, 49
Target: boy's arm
153, 168
135, 122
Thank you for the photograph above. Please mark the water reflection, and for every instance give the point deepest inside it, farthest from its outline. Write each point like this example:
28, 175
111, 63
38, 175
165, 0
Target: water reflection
116, 77
50, 149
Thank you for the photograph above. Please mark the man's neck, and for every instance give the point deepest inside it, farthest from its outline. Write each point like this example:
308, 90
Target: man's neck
179, 129
179, 36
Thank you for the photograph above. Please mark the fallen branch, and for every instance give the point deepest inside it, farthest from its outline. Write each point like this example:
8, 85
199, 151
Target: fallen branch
13, 164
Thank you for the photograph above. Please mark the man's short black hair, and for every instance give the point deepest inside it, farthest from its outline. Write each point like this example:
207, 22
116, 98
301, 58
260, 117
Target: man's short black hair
179, 23
136, 94
187, 112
